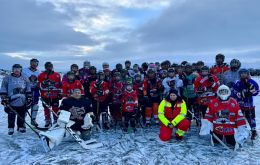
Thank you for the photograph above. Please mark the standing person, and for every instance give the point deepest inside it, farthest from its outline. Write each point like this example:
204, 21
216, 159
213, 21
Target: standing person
71, 84
244, 90
99, 90
32, 74
220, 67
138, 87
172, 114
84, 71
16, 92
79, 107
129, 106
50, 88
116, 88
189, 94
205, 86
232, 76
152, 87
225, 118
92, 76
172, 81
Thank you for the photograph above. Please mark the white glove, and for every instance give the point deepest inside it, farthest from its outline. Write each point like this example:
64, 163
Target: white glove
64, 118
87, 122
241, 134
206, 127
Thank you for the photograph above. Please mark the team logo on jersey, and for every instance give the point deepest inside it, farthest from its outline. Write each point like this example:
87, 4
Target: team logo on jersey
233, 105
223, 116
77, 112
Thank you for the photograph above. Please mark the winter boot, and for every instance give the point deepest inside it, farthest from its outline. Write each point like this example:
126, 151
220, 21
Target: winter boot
254, 135
21, 129
179, 137
10, 131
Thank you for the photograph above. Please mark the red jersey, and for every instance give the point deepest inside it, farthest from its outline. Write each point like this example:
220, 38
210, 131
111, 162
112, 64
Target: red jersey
49, 84
129, 101
116, 88
99, 91
138, 87
206, 89
225, 116
219, 71
67, 88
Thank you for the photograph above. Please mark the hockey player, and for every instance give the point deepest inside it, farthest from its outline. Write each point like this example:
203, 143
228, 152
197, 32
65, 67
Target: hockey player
205, 86
92, 76
83, 72
79, 107
71, 84
16, 92
50, 88
116, 88
32, 74
244, 90
189, 94
220, 67
225, 119
152, 87
172, 81
230, 77
172, 114
138, 87
99, 90
129, 106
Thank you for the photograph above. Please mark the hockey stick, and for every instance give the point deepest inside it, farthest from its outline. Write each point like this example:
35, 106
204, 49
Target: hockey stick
221, 142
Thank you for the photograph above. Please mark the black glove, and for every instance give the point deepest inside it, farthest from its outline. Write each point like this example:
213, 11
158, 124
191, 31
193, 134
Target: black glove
99, 92
210, 78
5, 101
93, 117
28, 101
250, 86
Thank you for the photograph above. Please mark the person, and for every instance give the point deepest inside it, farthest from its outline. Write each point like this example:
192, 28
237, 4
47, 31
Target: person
129, 106
71, 84
78, 107
220, 67
152, 87
88, 79
16, 92
84, 71
50, 89
172, 81
189, 94
128, 65
116, 87
32, 74
99, 90
205, 86
231, 77
244, 90
225, 118
172, 114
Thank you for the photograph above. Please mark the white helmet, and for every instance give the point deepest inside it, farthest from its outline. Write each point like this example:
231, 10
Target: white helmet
223, 92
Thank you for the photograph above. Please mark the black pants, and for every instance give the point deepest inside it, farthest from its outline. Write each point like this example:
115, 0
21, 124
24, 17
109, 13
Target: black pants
129, 116
250, 117
99, 107
21, 111
229, 139
202, 109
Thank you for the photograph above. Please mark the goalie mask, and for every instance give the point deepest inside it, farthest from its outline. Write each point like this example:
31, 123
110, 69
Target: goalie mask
223, 92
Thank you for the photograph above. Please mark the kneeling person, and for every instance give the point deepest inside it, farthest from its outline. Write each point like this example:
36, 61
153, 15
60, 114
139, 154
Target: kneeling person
80, 109
225, 119
172, 113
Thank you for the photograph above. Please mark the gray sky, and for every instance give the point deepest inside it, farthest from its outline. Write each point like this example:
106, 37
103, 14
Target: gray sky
68, 31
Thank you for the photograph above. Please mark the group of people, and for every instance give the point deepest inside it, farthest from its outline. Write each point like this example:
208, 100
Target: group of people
165, 94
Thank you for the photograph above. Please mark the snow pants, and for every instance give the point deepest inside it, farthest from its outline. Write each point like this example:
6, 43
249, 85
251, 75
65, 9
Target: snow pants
249, 114
166, 132
21, 111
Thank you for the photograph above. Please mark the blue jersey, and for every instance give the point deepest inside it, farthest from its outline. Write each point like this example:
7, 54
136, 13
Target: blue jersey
244, 92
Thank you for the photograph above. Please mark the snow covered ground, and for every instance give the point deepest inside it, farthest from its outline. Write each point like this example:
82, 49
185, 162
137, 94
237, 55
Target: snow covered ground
142, 148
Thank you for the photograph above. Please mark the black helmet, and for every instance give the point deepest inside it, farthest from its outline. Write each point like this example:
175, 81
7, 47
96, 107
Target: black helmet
92, 68
48, 64
17, 66
201, 63
183, 63
243, 70
127, 62
205, 68
221, 56
70, 73
145, 65
74, 66
34, 60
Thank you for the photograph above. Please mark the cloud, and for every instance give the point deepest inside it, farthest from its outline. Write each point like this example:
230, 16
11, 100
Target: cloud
27, 26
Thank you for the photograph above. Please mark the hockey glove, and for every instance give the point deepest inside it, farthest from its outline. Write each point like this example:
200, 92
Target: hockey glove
210, 78
28, 101
5, 101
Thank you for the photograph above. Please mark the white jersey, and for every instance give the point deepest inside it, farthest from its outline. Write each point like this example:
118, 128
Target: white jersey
178, 84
